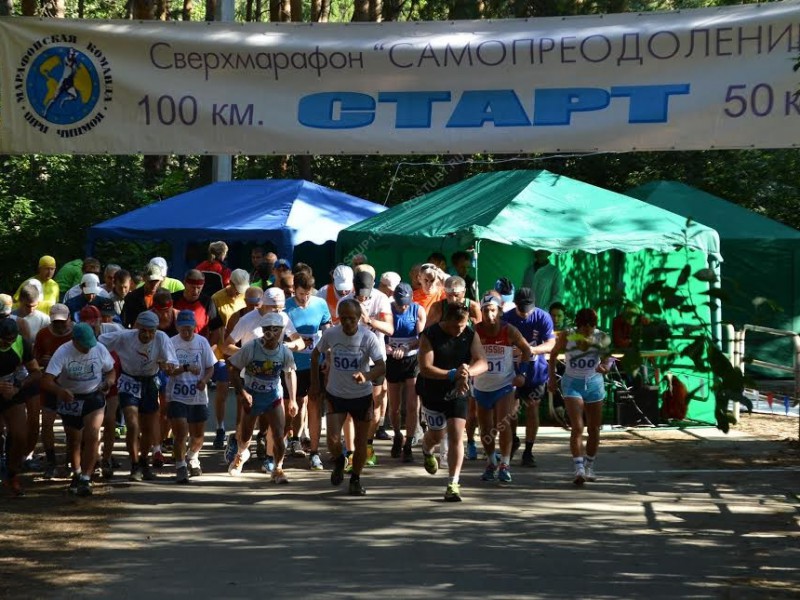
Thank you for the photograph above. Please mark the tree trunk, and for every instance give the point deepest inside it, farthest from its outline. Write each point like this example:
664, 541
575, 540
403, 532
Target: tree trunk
211, 9
162, 10
376, 10
391, 10
248, 11
360, 10
325, 11
274, 10
316, 9
296, 10
56, 9
6, 8
186, 13
259, 11
286, 10
29, 8
143, 10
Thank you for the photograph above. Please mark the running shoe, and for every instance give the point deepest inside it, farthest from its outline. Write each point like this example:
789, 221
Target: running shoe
305, 444
503, 474
14, 486
337, 475
580, 475
431, 464
84, 488
269, 465
182, 475
279, 477
136, 473
348, 468
488, 474
382, 434
168, 444
106, 469
316, 462
120, 432
148, 474
528, 460
296, 450
238, 462
452, 493
231, 448
32, 464
472, 451
355, 488
397, 446
261, 447
408, 455
372, 458
50, 471
74, 482
158, 459
195, 470
219, 439
590, 474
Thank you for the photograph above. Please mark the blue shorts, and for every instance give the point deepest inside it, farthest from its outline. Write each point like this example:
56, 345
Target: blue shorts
220, 373
162, 381
590, 389
193, 413
262, 403
488, 400
147, 402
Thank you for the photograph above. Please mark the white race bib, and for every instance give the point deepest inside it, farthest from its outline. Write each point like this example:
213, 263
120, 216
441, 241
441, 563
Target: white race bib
346, 361
263, 385
129, 385
72, 408
184, 390
436, 420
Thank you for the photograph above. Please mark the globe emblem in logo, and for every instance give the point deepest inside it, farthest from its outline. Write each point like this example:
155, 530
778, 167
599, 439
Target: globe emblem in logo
63, 86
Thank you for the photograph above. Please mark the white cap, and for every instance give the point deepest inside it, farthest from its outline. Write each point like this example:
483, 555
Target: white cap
240, 280
90, 284
343, 278
59, 312
272, 320
273, 297
37, 284
160, 263
390, 279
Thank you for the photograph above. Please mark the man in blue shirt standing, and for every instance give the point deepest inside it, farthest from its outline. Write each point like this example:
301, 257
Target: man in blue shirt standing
310, 316
536, 326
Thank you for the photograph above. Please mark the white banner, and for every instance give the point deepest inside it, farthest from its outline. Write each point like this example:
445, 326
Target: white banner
695, 79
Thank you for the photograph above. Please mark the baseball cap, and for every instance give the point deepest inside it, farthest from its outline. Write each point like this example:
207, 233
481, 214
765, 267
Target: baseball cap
403, 294
271, 320
455, 285
366, 268
506, 288
160, 263
106, 306
273, 296
390, 279
153, 273
343, 278
147, 319
282, 263
84, 335
524, 299
59, 312
363, 282
491, 299
186, 317
8, 327
240, 280
90, 284
47, 261
89, 314
5, 305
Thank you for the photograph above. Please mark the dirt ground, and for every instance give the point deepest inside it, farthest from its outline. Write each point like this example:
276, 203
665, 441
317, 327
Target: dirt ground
41, 531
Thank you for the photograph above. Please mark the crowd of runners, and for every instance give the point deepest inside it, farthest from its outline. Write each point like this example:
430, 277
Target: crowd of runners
426, 362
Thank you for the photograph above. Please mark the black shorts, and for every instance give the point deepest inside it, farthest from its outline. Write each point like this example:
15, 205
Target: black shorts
72, 413
146, 401
6, 404
359, 408
397, 371
49, 401
532, 392
304, 383
193, 413
451, 409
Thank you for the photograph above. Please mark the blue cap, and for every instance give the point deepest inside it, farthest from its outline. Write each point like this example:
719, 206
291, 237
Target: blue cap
84, 335
147, 319
186, 318
505, 288
282, 262
403, 294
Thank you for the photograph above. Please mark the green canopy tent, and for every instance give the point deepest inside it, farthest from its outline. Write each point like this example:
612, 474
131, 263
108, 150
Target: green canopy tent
603, 241
762, 261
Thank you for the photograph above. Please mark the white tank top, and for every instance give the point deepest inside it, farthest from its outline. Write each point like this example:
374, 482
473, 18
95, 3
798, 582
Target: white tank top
582, 363
499, 356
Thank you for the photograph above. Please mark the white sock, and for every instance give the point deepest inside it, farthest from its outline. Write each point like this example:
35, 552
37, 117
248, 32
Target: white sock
452, 479
506, 460
221, 425
84, 478
156, 448
578, 461
191, 455
492, 458
179, 464
589, 460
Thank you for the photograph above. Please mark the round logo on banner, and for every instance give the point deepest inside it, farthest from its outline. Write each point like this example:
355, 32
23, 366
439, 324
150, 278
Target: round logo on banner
67, 87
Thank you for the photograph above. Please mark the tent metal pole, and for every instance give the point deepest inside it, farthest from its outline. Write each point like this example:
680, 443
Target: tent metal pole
222, 164
716, 316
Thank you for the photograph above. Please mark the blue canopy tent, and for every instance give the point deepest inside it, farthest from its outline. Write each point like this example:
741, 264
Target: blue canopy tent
283, 212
